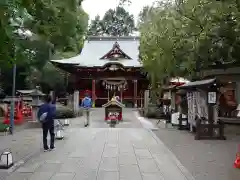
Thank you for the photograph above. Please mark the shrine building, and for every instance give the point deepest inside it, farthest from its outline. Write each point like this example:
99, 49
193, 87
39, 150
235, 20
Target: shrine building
107, 66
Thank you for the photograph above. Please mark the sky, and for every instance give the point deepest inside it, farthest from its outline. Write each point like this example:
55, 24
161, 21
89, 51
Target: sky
99, 7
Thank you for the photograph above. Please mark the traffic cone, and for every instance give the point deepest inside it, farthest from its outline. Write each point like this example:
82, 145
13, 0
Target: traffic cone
237, 160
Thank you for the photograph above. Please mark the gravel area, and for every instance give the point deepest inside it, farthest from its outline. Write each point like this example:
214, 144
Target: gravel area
205, 159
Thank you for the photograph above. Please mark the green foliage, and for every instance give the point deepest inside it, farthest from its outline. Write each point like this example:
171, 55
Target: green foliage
57, 26
63, 112
13, 15
62, 23
143, 15
180, 39
3, 127
117, 22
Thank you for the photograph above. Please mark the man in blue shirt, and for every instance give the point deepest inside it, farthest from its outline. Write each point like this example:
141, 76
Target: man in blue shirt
48, 123
86, 105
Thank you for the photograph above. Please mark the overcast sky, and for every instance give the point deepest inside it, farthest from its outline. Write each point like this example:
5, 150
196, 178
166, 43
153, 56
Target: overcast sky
95, 7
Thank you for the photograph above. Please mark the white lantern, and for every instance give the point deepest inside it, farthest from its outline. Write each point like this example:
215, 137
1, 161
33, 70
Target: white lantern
59, 131
66, 122
59, 134
6, 160
238, 109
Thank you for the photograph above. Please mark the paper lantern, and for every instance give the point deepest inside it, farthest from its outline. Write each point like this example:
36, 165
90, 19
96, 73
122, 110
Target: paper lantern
238, 107
59, 132
66, 122
6, 160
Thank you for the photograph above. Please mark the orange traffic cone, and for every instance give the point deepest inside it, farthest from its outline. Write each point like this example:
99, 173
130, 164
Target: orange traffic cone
237, 160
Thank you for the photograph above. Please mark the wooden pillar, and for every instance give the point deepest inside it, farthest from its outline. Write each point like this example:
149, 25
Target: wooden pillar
76, 102
135, 93
93, 91
142, 97
121, 94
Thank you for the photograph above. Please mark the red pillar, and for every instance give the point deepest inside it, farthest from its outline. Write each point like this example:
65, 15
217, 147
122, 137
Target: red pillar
135, 93
93, 92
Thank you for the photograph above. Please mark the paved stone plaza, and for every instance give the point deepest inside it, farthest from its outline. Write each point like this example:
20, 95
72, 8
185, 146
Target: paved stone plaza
206, 157
104, 153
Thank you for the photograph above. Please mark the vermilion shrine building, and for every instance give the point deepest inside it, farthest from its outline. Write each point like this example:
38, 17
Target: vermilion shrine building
107, 66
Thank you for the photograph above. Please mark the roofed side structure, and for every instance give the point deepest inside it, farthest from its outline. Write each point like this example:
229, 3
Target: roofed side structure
98, 51
197, 83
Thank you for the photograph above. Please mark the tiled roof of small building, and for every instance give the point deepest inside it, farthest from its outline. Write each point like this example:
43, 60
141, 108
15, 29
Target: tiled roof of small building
96, 47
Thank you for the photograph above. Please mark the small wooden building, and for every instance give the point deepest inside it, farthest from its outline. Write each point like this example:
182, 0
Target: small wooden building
202, 97
113, 106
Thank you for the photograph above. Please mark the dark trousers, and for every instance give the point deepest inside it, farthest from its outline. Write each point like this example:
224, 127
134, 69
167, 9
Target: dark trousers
48, 127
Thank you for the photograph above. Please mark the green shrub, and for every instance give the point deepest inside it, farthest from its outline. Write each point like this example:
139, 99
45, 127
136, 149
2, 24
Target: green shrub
3, 127
151, 111
63, 112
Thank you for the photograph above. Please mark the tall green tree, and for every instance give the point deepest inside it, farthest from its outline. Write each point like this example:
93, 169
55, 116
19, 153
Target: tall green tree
182, 38
115, 22
96, 27
59, 26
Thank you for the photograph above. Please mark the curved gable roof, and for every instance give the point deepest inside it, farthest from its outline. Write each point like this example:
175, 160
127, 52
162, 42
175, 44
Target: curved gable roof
96, 47
116, 49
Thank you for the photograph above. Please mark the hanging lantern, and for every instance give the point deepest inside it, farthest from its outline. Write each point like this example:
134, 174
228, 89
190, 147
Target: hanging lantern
6, 160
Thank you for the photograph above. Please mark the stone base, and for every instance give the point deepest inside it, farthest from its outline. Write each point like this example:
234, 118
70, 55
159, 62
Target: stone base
6, 167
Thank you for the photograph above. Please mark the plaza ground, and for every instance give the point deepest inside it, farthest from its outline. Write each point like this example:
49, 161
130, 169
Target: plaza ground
204, 159
99, 152
129, 151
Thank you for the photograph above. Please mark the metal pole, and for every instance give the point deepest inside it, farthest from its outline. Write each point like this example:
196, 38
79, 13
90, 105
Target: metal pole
12, 110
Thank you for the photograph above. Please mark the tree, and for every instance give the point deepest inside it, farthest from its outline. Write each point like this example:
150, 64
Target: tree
143, 15
96, 27
59, 27
117, 22
180, 39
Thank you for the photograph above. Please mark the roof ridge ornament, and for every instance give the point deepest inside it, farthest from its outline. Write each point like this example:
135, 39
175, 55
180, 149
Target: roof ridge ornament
116, 53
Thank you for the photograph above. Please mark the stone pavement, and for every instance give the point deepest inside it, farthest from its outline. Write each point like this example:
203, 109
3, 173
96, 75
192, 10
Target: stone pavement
205, 159
104, 153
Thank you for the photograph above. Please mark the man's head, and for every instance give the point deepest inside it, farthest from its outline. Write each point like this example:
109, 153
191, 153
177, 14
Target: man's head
47, 99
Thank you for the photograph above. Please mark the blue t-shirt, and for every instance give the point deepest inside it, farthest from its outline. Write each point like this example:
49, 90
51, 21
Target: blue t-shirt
86, 102
50, 109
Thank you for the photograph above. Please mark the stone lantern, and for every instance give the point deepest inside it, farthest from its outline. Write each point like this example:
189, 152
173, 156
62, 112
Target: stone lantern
36, 95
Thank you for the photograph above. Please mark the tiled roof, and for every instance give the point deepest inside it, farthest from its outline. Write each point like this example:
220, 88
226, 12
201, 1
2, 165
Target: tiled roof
113, 102
96, 47
197, 83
